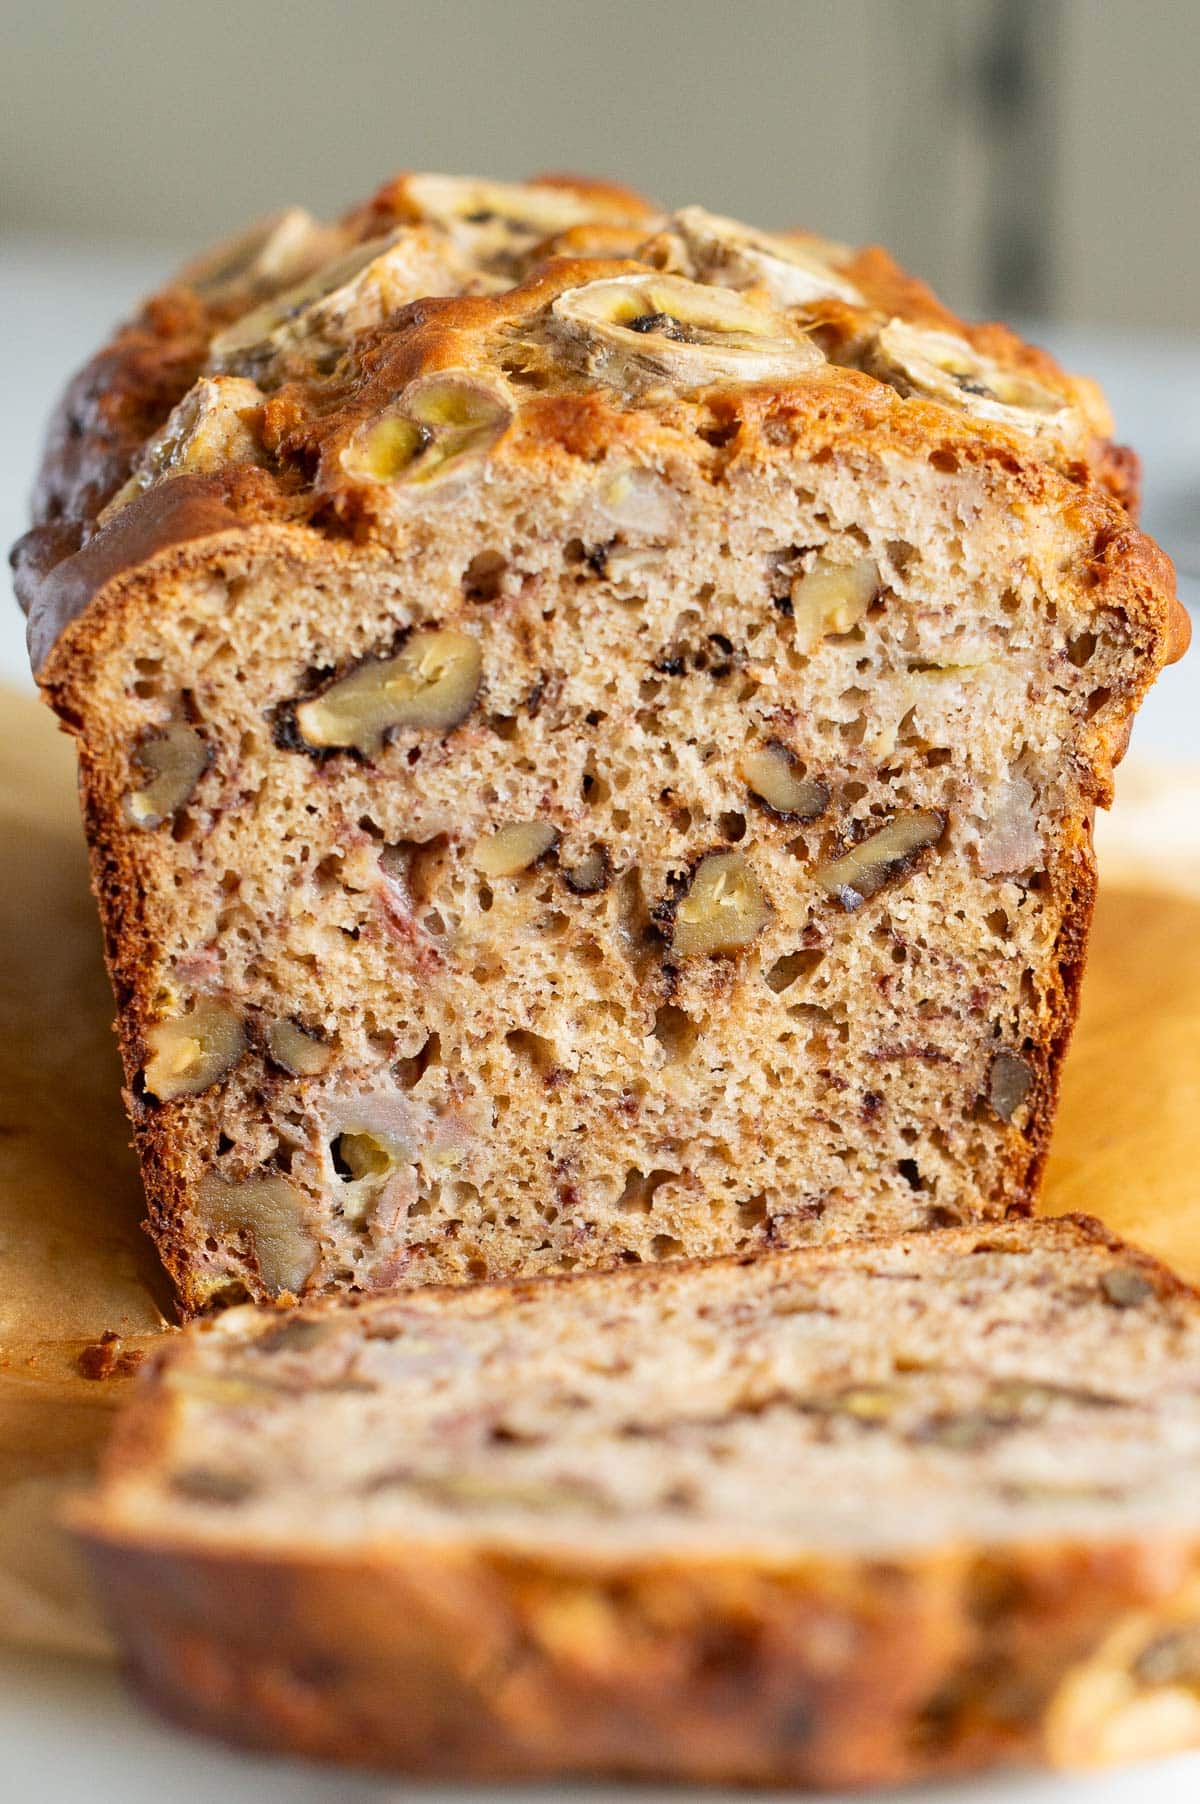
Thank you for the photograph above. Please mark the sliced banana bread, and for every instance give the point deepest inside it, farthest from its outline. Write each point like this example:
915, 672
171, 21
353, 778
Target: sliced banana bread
594, 767
817, 1516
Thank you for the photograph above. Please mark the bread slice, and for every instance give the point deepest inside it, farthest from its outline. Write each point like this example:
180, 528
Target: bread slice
811, 1517
592, 768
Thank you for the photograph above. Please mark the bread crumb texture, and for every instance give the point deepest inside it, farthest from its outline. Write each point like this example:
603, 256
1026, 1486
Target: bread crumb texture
589, 725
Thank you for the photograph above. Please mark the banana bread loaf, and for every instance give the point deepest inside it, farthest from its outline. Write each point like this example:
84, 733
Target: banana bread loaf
589, 723
829, 1516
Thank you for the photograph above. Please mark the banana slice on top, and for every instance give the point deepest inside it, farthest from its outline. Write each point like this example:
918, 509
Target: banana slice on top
318, 317
216, 424
943, 367
725, 251
497, 224
269, 255
666, 328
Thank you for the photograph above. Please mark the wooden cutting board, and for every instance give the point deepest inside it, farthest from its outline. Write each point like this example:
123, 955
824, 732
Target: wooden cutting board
75, 1263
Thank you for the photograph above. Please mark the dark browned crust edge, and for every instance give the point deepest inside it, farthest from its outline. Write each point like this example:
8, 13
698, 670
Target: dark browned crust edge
55, 592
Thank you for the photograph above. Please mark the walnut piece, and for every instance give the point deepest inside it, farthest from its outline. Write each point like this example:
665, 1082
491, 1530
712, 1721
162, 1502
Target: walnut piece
1009, 1082
591, 873
514, 848
430, 685
298, 1053
774, 777
1009, 841
864, 870
832, 598
724, 908
190, 1053
271, 1211
174, 760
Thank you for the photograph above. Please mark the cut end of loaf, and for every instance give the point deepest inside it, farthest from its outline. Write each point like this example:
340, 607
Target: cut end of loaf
595, 765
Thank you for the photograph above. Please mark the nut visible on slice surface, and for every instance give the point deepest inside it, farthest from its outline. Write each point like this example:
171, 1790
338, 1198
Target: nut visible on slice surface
832, 598
174, 760
429, 686
868, 1403
512, 849
443, 425
665, 327
774, 778
271, 1211
591, 873
1009, 1083
1125, 1288
943, 367
190, 1053
724, 908
864, 870
1009, 841
639, 501
298, 1053
723, 250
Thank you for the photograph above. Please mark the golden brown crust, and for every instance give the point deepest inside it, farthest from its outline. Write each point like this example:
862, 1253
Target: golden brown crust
822, 1673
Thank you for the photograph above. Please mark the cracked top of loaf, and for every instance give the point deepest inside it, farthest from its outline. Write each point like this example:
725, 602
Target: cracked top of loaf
343, 378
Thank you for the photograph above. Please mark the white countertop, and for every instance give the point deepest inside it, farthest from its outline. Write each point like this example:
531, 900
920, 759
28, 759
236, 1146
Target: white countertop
69, 1732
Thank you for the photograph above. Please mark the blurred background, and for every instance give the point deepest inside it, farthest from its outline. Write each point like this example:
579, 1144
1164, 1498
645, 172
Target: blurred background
1034, 159
1034, 156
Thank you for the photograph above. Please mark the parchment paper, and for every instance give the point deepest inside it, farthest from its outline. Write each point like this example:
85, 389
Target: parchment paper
73, 1259
74, 1262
